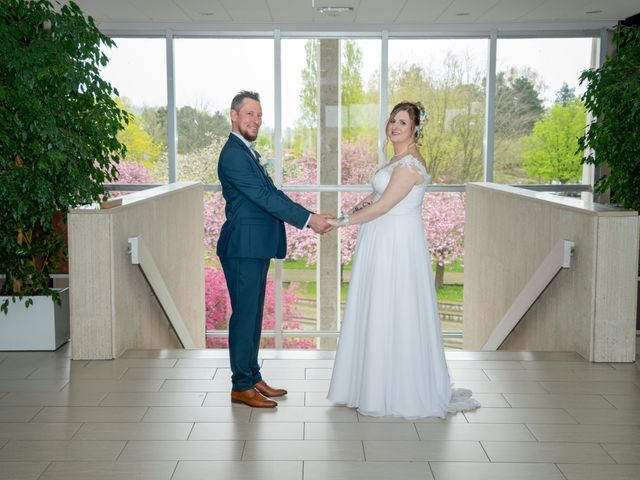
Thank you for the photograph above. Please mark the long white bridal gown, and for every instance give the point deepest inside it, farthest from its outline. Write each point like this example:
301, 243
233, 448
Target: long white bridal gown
390, 358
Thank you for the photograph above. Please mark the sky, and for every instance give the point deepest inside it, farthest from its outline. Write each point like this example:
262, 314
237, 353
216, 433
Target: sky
209, 72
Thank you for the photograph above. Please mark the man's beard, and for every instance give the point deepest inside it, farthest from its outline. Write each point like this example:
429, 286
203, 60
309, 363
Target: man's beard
248, 136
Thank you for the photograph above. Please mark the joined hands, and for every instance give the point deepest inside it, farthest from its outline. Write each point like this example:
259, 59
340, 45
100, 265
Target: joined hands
320, 222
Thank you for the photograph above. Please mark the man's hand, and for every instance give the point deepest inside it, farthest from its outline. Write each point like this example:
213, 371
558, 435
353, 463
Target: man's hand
319, 224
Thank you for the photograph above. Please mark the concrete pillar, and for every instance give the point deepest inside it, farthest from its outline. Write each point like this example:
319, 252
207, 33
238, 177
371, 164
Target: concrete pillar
328, 268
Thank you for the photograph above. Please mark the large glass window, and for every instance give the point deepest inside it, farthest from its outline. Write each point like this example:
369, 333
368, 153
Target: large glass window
209, 73
137, 69
539, 114
448, 77
330, 119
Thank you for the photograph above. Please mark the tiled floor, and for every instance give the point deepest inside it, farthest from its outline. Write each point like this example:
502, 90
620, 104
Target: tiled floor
166, 415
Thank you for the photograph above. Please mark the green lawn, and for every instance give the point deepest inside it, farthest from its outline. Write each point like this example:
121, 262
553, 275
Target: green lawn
448, 293
457, 266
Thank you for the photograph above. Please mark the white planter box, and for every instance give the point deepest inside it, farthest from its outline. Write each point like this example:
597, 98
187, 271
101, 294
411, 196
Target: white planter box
42, 326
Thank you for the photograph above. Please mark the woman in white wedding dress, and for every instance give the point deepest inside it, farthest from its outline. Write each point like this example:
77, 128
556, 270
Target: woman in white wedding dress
390, 358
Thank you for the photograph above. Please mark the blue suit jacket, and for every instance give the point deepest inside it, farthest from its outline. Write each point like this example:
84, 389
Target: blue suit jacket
255, 209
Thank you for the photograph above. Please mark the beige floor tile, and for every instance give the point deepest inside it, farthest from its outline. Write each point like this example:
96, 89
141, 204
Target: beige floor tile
605, 417
21, 470
559, 365
60, 450
154, 399
495, 471
469, 374
38, 431
366, 470
65, 398
271, 375
197, 414
15, 373
305, 363
32, 385
133, 431
247, 431
492, 364
304, 414
90, 385
360, 431
195, 386
560, 375
623, 402
586, 433
317, 399
137, 451
491, 400
176, 353
474, 432
318, 373
109, 471
90, 414
516, 356
169, 373
617, 388
29, 360
136, 362
202, 363
238, 470
547, 452
504, 386
291, 385
110, 371
303, 450
408, 451
519, 415
17, 414
600, 472
556, 400
624, 453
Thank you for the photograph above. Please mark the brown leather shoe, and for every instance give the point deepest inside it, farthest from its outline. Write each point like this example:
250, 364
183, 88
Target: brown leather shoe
253, 398
268, 391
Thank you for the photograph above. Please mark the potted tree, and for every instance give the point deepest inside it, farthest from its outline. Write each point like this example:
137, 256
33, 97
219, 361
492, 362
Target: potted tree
58, 145
613, 139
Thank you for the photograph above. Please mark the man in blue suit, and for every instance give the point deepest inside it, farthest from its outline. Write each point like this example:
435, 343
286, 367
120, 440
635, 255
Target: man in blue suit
251, 236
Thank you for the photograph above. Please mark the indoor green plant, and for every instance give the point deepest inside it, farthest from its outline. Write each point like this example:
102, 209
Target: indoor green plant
613, 139
58, 126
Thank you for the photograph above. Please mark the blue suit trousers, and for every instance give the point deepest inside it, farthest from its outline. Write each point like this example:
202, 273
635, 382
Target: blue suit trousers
247, 281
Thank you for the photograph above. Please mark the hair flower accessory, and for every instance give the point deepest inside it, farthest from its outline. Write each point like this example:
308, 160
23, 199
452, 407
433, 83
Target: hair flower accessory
422, 121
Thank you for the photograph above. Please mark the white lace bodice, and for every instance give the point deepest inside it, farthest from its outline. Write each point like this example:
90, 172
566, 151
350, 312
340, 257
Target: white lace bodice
413, 201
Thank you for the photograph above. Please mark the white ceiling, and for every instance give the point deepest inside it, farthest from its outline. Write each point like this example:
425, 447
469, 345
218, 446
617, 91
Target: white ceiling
367, 14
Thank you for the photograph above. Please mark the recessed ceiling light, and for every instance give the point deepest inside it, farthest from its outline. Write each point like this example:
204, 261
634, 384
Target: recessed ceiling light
462, 14
593, 12
334, 11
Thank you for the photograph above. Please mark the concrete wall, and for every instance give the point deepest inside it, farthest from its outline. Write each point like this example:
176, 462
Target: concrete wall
588, 308
112, 306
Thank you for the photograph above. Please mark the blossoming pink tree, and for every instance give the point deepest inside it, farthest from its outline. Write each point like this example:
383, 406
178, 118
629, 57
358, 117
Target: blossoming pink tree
218, 311
443, 215
217, 304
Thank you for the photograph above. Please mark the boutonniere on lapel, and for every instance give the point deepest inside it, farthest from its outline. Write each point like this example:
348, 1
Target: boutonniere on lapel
265, 164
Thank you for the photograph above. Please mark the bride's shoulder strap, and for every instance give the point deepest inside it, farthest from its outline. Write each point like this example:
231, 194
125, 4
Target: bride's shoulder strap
411, 161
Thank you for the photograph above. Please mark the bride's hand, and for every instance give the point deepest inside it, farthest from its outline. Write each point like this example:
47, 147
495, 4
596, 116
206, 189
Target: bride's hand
335, 223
